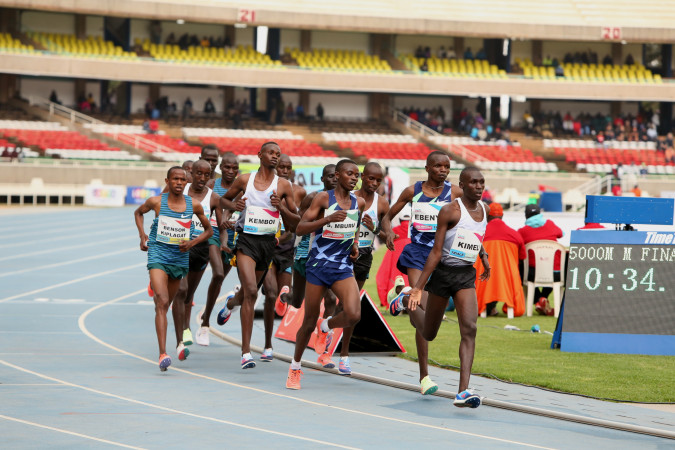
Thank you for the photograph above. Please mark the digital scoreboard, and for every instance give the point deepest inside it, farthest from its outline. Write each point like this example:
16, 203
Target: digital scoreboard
620, 293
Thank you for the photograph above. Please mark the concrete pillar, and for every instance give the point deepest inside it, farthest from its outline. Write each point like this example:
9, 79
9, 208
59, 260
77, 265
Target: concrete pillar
303, 99
80, 26
617, 53
228, 97
9, 20
8, 87
153, 91
230, 35
615, 109
379, 105
535, 106
80, 89
537, 52
305, 41
459, 47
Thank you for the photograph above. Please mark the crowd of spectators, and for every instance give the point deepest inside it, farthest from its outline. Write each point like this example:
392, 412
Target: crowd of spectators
443, 53
186, 40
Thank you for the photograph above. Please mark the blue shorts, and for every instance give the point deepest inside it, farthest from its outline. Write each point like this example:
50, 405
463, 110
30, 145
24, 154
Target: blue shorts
413, 256
327, 276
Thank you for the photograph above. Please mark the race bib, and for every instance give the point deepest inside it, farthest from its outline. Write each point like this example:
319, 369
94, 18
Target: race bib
366, 237
466, 245
172, 231
425, 216
342, 230
261, 220
214, 220
198, 227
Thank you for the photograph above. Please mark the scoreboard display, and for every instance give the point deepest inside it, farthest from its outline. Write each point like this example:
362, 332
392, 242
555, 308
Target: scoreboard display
620, 293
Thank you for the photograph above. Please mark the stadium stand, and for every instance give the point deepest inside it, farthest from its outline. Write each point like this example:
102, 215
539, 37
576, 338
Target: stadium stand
347, 60
454, 67
239, 56
605, 73
89, 47
13, 45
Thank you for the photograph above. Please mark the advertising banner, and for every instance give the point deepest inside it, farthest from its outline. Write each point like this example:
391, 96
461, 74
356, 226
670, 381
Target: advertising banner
137, 195
104, 195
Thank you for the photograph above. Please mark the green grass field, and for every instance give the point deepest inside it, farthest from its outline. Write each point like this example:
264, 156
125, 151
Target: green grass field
526, 357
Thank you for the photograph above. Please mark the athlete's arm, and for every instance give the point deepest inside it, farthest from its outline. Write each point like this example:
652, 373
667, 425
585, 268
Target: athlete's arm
403, 199
448, 217
484, 258
239, 185
299, 193
215, 206
361, 204
455, 192
198, 211
148, 206
385, 223
310, 221
288, 213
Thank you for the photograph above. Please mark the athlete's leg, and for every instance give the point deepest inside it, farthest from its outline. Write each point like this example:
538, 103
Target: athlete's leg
271, 292
421, 343
297, 294
348, 293
218, 273
329, 304
313, 296
193, 280
165, 288
467, 313
428, 322
178, 308
348, 331
249, 278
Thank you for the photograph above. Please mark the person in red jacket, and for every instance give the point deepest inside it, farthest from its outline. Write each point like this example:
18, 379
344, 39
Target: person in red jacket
538, 228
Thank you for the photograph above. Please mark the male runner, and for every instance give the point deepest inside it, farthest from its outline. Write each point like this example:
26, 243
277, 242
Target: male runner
201, 255
334, 218
426, 198
265, 197
167, 249
229, 168
187, 165
458, 243
210, 154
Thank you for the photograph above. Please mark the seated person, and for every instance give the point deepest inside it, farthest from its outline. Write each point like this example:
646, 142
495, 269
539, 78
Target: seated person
537, 228
505, 247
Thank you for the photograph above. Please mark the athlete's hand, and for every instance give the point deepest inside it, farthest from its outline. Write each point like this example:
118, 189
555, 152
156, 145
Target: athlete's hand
414, 299
354, 254
229, 224
486, 273
240, 204
185, 246
144, 243
338, 216
224, 247
274, 200
368, 222
391, 237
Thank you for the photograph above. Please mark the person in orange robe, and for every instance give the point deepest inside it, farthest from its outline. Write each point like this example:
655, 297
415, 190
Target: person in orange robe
505, 247
387, 273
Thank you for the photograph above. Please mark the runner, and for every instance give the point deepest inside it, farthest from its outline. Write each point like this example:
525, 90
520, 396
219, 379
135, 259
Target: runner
167, 247
334, 218
265, 198
187, 165
201, 255
373, 224
229, 168
459, 237
210, 155
426, 198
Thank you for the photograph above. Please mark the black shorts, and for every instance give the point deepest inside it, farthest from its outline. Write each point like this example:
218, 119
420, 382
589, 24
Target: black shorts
362, 265
283, 260
260, 248
199, 257
445, 281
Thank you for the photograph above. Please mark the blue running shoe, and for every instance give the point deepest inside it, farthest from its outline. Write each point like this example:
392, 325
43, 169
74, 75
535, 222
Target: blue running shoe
223, 316
247, 362
344, 368
267, 355
396, 305
164, 362
467, 399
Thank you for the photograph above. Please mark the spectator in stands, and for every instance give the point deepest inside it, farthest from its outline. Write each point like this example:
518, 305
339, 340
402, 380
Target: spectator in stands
154, 126
504, 284
92, 102
629, 60
184, 41
155, 29
547, 61
468, 54
441, 53
538, 228
652, 134
300, 112
148, 107
424, 67
451, 53
205, 42
319, 111
171, 39
636, 191
54, 98
290, 111
427, 52
481, 55
607, 60
187, 108
209, 107
419, 52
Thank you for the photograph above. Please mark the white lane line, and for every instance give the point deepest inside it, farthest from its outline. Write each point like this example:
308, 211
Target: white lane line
72, 433
38, 223
70, 261
83, 317
171, 410
67, 229
76, 280
67, 248
30, 384
67, 236
37, 332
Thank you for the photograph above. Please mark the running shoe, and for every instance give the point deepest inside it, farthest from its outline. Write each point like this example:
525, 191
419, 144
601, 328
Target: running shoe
187, 337
467, 399
225, 313
182, 352
203, 336
323, 339
267, 355
427, 387
164, 362
396, 305
247, 362
293, 380
344, 368
281, 306
325, 361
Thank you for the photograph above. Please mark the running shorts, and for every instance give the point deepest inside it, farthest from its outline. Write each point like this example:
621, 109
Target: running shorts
446, 281
258, 248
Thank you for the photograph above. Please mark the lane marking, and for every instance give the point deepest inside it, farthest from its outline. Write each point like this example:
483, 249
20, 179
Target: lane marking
43, 218
66, 248
76, 280
70, 261
66, 229
72, 433
171, 410
83, 317
79, 236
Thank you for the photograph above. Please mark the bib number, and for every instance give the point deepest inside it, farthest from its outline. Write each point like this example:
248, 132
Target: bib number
261, 220
342, 230
172, 231
366, 237
466, 245
425, 216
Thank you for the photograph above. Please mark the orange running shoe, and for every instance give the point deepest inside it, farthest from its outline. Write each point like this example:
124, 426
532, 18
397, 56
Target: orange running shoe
322, 339
280, 306
325, 361
293, 380
151, 293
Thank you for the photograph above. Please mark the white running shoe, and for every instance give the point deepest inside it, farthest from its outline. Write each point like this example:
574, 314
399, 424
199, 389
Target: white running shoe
203, 336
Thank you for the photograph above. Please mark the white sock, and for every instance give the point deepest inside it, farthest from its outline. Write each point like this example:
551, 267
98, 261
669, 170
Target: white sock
295, 365
247, 356
324, 325
344, 358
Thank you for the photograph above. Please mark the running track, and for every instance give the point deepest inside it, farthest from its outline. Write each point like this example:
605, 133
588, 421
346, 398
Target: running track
78, 368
